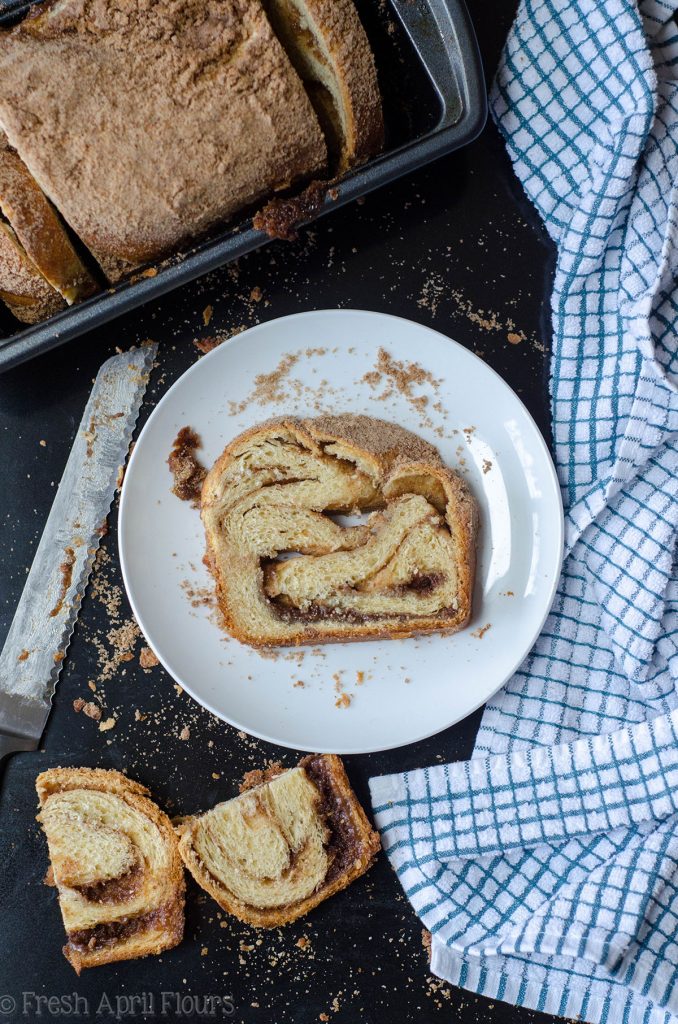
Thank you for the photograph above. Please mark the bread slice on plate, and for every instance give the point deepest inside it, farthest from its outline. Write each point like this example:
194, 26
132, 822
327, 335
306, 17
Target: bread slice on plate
146, 124
289, 841
36, 229
115, 863
330, 50
276, 491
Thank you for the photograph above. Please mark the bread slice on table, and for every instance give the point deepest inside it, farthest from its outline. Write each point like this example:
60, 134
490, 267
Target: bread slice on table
276, 490
289, 841
331, 52
45, 250
146, 124
116, 865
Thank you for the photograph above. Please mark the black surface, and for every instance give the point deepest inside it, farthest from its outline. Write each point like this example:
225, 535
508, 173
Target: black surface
455, 246
431, 83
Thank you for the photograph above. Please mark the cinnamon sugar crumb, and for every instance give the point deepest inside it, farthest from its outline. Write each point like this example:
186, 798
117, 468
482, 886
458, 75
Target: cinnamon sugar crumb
187, 471
147, 658
24, 654
206, 345
481, 631
88, 708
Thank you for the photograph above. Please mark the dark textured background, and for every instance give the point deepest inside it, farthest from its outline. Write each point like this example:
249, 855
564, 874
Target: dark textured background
455, 246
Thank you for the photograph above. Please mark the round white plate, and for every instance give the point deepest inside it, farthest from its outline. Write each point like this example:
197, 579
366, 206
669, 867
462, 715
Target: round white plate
400, 691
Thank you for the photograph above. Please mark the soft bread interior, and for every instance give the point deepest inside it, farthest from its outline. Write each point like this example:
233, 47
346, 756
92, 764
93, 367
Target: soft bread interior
115, 863
266, 847
289, 841
273, 494
89, 831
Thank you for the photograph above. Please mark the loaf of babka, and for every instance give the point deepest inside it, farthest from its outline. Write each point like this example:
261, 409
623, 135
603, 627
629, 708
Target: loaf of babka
276, 491
115, 862
289, 841
147, 124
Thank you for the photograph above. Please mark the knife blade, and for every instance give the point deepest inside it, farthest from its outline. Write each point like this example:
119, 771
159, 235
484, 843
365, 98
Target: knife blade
43, 623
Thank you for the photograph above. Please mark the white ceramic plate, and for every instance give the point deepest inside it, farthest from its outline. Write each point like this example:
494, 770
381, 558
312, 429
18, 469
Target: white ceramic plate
400, 691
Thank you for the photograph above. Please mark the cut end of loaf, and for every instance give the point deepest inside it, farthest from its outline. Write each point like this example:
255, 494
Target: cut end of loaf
289, 841
115, 861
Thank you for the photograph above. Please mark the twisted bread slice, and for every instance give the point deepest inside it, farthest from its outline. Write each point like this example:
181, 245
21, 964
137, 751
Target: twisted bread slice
273, 492
116, 865
284, 845
327, 45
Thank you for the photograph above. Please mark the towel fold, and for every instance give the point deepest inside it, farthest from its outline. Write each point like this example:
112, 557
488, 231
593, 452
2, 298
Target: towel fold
547, 873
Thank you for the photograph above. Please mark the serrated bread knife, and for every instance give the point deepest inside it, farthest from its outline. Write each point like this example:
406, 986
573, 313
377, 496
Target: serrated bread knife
34, 650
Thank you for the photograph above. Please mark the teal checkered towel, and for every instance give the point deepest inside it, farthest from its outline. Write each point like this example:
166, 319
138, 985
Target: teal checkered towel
546, 868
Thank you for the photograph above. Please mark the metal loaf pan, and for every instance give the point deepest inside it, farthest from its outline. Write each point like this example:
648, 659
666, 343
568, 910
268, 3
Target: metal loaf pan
433, 90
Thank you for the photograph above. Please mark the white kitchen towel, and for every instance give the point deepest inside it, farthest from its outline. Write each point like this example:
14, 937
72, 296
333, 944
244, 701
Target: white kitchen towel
546, 868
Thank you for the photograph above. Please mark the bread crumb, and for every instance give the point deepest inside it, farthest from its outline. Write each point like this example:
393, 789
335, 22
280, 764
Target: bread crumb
207, 315
359, 678
24, 654
185, 733
303, 942
179, 689
515, 338
487, 465
255, 294
147, 658
342, 701
299, 683
78, 704
106, 725
206, 345
139, 716
92, 685
481, 631
216, 775
92, 710
204, 951
43, 444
